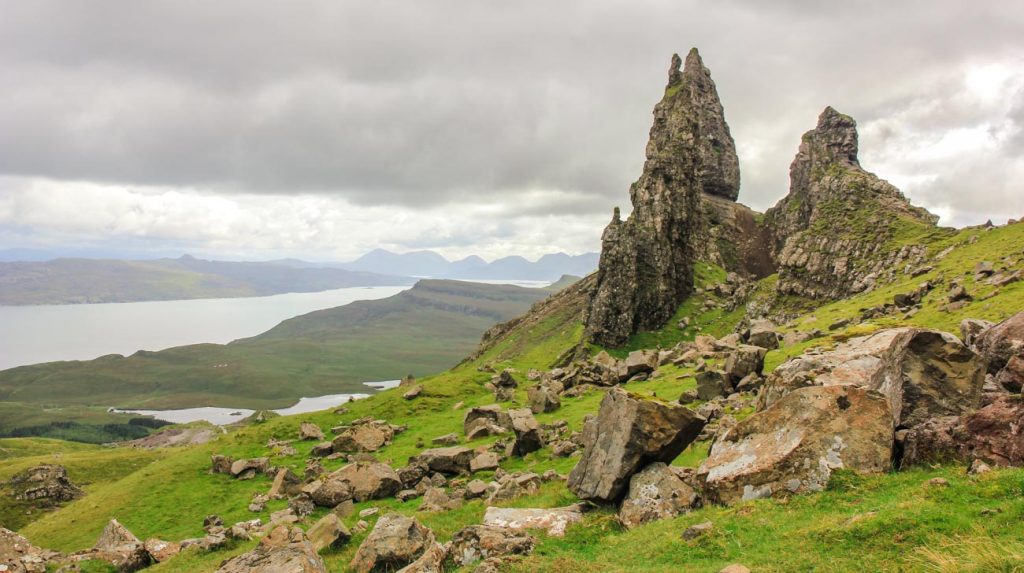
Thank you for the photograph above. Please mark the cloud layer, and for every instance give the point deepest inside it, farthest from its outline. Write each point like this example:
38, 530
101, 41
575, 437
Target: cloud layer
326, 128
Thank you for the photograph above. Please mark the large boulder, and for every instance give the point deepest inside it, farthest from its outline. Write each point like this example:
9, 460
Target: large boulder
743, 361
328, 532
994, 434
452, 460
543, 398
656, 492
248, 468
712, 384
762, 334
628, 433
1002, 349
46, 484
119, 547
369, 480
486, 421
638, 362
310, 431
328, 491
527, 430
477, 542
283, 550
365, 437
552, 520
922, 373
396, 541
796, 444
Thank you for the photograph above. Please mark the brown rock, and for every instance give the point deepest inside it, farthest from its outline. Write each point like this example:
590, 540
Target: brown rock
328, 532
527, 430
160, 550
543, 398
369, 480
553, 520
452, 460
310, 431
284, 549
477, 542
366, 437
396, 541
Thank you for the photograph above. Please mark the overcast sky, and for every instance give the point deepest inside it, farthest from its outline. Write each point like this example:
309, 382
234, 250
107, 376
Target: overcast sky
323, 129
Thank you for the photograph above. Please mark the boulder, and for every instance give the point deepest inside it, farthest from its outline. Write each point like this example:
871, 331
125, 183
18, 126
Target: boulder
479, 542
1011, 377
553, 520
794, 445
638, 362
21, 556
711, 384
220, 464
453, 460
310, 431
328, 532
486, 421
328, 491
762, 334
119, 547
527, 430
972, 328
1002, 342
284, 549
994, 434
628, 433
543, 398
369, 480
246, 469
514, 485
366, 437
484, 461
46, 485
396, 541
922, 373
742, 362
446, 440
413, 392
160, 550
656, 492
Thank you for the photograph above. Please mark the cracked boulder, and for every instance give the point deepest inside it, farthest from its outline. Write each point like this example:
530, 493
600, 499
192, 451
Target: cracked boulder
285, 549
656, 492
795, 445
395, 542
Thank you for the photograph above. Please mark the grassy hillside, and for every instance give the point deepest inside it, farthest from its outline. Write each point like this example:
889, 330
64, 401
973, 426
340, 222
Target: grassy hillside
893, 522
420, 331
71, 281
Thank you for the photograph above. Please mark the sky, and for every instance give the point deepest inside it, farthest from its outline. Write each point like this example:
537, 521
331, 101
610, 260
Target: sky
323, 129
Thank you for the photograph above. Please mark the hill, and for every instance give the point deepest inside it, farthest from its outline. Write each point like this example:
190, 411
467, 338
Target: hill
430, 264
75, 281
420, 331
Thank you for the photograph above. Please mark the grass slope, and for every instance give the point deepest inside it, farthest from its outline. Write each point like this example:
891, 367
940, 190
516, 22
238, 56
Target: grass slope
892, 522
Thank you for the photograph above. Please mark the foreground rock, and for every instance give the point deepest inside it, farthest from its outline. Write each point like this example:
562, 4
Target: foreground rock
369, 480
119, 547
328, 532
922, 373
656, 492
993, 434
554, 520
478, 542
283, 550
396, 541
628, 433
796, 444
1002, 348
20, 556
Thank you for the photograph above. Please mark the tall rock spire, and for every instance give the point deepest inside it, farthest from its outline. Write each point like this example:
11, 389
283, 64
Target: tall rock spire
646, 267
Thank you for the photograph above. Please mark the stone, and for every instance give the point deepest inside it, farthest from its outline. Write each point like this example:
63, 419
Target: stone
638, 362
431, 561
655, 492
328, 491
978, 467
259, 502
742, 362
762, 334
453, 460
369, 480
629, 433
301, 505
47, 485
478, 542
972, 328
322, 450
446, 440
527, 431
246, 469
543, 398
284, 549
119, 547
396, 541
485, 461
486, 421
695, 531
310, 431
712, 384
646, 266
554, 520
406, 495
21, 556
366, 437
413, 393
993, 434
794, 445
922, 373
1011, 377
1000, 343
160, 550
329, 531
435, 499
475, 488
220, 464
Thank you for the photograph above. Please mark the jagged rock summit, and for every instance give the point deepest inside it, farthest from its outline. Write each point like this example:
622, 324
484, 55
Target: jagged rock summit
834, 233
646, 266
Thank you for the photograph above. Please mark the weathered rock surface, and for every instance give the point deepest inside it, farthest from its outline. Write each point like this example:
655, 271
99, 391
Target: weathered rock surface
993, 434
396, 541
369, 480
160, 550
487, 420
310, 431
628, 433
48, 484
527, 431
833, 230
283, 550
368, 436
21, 556
478, 542
646, 267
1002, 348
119, 547
656, 492
794, 445
452, 460
328, 532
543, 398
922, 373
553, 520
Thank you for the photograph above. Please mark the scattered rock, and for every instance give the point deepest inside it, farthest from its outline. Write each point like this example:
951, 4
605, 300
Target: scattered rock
446, 440
452, 460
413, 393
484, 461
478, 542
554, 521
978, 467
247, 469
284, 549
543, 398
160, 550
655, 492
328, 532
369, 480
119, 547
483, 421
396, 541
46, 484
368, 436
695, 531
527, 431
712, 384
310, 431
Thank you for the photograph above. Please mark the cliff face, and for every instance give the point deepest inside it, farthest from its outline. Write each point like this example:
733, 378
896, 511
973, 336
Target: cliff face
835, 233
646, 267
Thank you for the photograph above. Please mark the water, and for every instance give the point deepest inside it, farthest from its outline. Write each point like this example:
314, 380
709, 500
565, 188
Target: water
221, 416
46, 333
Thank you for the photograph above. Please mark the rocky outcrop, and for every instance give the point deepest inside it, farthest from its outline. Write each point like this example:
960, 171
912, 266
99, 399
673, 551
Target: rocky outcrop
628, 433
646, 267
478, 542
119, 547
656, 492
922, 373
795, 445
1002, 348
396, 541
283, 549
994, 434
45, 484
20, 556
833, 233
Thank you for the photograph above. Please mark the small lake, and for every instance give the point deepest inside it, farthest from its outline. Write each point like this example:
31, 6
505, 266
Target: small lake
47, 333
221, 416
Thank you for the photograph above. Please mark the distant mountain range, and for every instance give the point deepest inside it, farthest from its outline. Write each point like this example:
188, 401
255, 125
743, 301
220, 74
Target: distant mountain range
430, 264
